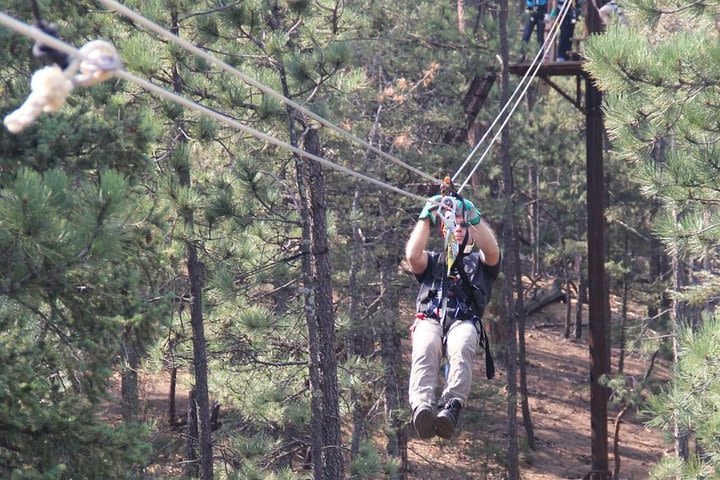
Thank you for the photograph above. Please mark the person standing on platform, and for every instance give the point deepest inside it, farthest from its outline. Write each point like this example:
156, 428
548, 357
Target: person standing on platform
536, 12
567, 28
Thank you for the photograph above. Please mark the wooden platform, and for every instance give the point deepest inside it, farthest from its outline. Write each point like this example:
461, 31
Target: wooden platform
549, 69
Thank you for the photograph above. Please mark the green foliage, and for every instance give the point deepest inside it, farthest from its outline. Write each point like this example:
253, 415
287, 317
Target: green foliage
367, 464
690, 401
78, 236
141, 54
661, 118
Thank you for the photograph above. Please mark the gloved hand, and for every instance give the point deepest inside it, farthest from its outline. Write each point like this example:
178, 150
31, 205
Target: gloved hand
547, 18
430, 209
473, 214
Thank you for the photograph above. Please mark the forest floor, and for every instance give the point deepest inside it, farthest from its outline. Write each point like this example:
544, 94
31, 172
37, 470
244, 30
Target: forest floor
559, 399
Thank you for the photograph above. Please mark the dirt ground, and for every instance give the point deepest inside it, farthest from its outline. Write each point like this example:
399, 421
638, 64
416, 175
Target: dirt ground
559, 398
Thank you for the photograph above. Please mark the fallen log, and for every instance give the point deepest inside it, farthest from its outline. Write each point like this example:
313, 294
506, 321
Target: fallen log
543, 298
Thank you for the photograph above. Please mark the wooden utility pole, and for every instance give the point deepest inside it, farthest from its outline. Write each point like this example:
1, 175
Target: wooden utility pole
598, 293
599, 314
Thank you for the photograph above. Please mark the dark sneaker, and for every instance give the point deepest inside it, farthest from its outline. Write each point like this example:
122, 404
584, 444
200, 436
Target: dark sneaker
424, 422
447, 419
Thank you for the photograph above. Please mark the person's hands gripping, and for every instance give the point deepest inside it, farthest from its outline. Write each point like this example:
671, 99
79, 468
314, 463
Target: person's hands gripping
472, 213
430, 209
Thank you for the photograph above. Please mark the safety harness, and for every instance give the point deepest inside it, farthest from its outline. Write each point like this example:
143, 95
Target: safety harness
454, 257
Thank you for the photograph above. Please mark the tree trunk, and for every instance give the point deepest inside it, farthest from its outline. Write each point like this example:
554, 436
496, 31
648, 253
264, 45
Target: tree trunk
473, 102
319, 311
509, 267
129, 385
361, 342
679, 322
623, 312
568, 303
461, 15
390, 352
534, 220
582, 296
171, 396
191, 458
195, 274
522, 355
200, 365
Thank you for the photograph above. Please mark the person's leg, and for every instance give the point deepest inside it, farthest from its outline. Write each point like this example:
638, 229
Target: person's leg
424, 371
527, 30
540, 23
462, 341
565, 43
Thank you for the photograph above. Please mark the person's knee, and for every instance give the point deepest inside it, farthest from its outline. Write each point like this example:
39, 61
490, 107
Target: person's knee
464, 346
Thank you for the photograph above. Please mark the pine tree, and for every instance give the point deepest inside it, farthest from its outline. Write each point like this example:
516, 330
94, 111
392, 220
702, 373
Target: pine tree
77, 239
661, 118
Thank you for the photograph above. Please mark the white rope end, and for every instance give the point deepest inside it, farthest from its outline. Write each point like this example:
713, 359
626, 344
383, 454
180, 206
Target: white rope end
100, 61
49, 89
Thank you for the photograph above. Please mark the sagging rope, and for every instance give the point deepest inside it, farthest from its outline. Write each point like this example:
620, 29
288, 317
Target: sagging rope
534, 67
146, 23
41, 36
553, 33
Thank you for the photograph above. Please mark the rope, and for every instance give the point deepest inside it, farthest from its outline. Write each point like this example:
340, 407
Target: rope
140, 19
537, 59
534, 67
38, 35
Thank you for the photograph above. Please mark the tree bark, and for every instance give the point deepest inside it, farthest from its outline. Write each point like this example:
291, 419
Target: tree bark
473, 102
568, 303
678, 315
509, 268
129, 380
461, 15
191, 458
195, 274
319, 312
581, 298
522, 353
390, 352
555, 294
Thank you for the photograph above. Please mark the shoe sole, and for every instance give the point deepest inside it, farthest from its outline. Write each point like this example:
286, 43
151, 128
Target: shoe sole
425, 424
445, 427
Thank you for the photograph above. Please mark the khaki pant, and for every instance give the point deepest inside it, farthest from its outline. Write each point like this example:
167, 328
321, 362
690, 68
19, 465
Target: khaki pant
427, 351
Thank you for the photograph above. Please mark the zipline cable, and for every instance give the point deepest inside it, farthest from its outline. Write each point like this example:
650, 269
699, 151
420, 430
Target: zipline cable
141, 20
552, 34
40, 36
538, 58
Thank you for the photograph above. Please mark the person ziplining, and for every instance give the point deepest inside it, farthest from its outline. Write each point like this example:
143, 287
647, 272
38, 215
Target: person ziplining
455, 288
455, 284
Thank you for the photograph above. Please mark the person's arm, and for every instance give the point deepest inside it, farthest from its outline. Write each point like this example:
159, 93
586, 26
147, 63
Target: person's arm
415, 249
484, 238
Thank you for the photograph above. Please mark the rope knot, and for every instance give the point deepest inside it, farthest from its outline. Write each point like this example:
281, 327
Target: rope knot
51, 85
49, 89
97, 61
